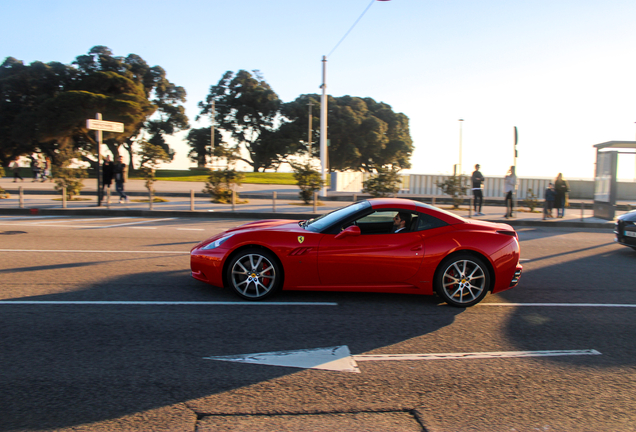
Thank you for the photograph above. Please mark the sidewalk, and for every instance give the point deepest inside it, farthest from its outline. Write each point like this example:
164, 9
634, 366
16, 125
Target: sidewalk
41, 198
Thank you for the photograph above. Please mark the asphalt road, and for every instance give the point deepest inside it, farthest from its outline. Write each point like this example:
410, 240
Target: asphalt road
102, 328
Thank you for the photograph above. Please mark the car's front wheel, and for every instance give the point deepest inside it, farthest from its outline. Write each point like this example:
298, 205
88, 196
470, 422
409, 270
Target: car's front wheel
462, 280
254, 274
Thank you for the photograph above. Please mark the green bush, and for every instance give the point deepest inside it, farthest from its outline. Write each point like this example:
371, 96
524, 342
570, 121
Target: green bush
221, 183
456, 187
387, 182
308, 180
531, 200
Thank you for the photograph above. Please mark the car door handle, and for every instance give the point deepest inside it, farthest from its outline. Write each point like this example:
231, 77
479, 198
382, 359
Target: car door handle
417, 248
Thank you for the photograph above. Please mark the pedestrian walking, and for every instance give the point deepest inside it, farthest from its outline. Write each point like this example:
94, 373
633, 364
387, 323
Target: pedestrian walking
561, 187
15, 166
46, 173
35, 167
548, 205
108, 168
510, 187
120, 172
477, 180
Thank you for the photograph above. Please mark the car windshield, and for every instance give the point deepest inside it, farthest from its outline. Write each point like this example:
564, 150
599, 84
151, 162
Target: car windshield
321, 222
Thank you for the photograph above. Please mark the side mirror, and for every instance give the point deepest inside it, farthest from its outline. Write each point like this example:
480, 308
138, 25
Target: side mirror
352, 231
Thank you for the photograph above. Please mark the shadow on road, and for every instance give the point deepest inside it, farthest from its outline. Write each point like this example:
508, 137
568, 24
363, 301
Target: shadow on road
69, 365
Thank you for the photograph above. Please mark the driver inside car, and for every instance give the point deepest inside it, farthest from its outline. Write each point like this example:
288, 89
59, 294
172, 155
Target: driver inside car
400, 221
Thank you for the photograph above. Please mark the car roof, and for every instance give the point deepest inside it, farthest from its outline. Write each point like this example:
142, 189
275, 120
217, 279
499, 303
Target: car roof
416, 206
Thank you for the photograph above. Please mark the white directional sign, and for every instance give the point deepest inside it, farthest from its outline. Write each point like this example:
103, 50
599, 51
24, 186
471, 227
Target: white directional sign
339, 358
103, 125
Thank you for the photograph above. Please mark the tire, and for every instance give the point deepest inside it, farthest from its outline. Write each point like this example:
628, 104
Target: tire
254, 274
462, 280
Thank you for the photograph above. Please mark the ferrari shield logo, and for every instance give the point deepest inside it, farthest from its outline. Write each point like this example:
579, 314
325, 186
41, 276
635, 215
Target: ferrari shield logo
301, 239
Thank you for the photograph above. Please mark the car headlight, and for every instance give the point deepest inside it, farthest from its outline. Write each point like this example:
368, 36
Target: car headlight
216, 243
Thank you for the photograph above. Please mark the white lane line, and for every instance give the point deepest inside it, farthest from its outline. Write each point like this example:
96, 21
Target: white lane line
473, 355
611, 305
164, 303
135, 223
524, 259
150, 228
30, 217
190, 229
93, 251
82, 220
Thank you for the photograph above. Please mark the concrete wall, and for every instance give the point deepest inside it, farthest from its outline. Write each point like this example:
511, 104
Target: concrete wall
426, 184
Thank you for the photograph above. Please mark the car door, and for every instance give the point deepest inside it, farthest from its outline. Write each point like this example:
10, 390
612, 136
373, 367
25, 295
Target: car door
376, 256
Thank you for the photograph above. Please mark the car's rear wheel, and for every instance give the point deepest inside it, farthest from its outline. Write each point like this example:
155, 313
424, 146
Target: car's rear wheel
462, 280
254, 274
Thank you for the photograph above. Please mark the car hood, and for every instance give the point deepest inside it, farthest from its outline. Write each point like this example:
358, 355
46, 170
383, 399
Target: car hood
631, 216
265, 225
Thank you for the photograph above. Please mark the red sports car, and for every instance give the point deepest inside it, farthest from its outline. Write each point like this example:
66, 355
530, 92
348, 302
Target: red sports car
376, 245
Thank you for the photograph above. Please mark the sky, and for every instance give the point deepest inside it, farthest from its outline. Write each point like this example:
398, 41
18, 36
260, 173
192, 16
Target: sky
562, 71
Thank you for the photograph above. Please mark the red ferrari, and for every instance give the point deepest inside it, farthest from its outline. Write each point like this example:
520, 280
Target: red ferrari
376, 245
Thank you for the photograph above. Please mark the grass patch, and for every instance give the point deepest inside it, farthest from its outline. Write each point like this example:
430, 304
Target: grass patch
74, 199
319, 203
154, 200
202, 176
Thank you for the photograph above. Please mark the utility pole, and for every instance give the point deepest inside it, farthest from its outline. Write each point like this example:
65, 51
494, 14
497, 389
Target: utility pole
323, 126
459, 166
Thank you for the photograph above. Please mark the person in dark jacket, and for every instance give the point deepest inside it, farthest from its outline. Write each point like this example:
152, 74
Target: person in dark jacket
550, 196
561, 187
120, 173
477, 179
108, 168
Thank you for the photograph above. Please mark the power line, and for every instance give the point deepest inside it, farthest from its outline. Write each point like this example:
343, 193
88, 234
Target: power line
349, 31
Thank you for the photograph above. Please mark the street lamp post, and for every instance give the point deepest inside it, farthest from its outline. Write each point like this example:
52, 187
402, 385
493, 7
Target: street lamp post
460, 147
323, 127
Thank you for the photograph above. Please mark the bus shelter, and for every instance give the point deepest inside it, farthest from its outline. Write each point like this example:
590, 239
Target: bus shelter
605, 183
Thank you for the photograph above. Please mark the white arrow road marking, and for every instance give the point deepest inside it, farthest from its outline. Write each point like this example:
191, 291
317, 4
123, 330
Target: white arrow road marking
339, 359
336, 358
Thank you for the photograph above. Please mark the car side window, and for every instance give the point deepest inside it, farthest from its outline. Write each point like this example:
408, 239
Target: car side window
426, 222
382, 222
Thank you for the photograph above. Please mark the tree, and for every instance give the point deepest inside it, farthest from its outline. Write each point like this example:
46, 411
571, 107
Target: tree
363, 133
151, 156
308, 180
201, 150
45, 106
247, 108
167, 115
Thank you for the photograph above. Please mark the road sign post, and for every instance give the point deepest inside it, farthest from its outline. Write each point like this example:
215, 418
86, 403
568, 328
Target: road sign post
99, 126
